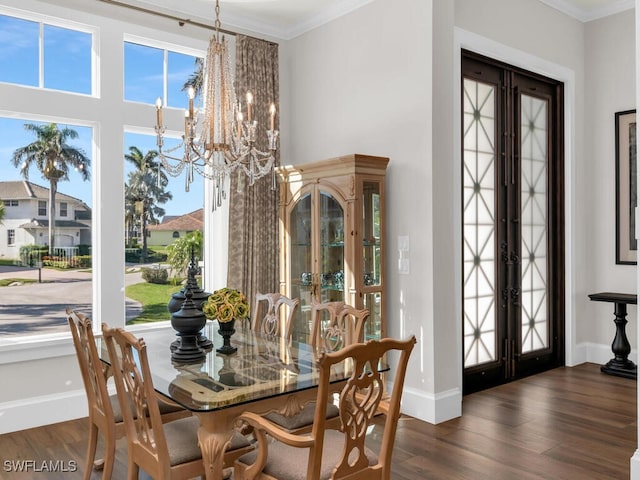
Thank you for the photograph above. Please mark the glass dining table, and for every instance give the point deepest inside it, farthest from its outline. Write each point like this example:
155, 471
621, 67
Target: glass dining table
265, 374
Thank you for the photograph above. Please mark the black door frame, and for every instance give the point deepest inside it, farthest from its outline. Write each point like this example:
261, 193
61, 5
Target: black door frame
506, 368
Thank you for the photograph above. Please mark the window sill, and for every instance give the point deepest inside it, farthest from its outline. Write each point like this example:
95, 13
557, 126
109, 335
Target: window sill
25, 348
35, 347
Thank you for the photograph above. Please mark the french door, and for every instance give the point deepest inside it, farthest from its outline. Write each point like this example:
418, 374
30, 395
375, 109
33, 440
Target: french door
513, 222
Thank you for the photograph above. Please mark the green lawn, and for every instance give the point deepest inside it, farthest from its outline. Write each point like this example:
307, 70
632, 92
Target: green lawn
8, 281
154, 299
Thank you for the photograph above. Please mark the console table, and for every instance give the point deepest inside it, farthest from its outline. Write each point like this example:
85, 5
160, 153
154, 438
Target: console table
620, 365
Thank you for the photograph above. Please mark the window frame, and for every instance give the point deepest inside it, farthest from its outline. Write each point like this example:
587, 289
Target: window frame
42, 207
11, 237
64, 212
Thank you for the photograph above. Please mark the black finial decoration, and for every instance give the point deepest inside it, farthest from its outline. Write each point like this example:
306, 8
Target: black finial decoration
188, 322
199, 296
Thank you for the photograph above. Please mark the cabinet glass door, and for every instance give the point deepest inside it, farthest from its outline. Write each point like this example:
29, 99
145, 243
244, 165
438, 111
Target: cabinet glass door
331, 266
301, 269
371, 258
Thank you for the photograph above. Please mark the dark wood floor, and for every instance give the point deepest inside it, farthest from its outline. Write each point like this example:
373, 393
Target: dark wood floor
569, 423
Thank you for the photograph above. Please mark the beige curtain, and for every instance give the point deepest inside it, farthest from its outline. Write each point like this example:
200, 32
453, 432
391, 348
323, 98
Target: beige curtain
253, 211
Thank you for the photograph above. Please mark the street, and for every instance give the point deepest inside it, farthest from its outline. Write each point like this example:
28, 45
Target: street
40, 307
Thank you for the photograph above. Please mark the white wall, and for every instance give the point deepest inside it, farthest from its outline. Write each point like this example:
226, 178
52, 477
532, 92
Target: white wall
609, 88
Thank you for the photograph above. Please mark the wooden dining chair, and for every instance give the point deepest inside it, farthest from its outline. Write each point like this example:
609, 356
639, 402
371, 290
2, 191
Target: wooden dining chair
163, 451
267, 315
104, 410
334, 325
335, 454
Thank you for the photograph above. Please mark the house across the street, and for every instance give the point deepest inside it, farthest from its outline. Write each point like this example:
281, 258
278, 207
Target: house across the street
174, 227
26, 219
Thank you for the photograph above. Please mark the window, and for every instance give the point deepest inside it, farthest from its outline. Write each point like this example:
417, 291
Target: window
151, 72
11, 203
27, 243
166, 198
49, 56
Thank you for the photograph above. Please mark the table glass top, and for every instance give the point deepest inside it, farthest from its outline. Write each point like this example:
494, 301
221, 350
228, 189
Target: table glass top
262, 367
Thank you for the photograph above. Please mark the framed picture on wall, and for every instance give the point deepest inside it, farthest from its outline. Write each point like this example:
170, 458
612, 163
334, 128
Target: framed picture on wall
626, 188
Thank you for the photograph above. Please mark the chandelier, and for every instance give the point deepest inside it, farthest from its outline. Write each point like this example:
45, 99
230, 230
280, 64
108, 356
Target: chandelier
219, 137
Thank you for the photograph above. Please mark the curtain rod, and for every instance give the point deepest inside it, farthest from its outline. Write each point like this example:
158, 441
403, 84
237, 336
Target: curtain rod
181, 21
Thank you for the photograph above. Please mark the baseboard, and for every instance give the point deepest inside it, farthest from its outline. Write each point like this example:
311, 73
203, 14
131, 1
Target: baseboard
432, 408
597, 353
42, 410
635, 466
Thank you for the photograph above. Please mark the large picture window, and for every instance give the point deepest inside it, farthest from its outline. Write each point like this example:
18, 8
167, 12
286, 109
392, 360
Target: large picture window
48, 262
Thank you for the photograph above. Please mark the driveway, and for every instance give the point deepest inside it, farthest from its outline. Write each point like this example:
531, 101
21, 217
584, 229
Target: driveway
40, 307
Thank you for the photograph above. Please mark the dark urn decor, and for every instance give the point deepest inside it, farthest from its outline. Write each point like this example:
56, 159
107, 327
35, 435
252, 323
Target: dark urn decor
188, 322
226, 330
199, 297
226, 305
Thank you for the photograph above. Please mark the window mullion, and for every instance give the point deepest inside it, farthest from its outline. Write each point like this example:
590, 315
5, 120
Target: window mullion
41, 56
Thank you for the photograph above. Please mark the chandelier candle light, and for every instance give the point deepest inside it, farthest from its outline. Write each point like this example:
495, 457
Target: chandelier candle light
226, 141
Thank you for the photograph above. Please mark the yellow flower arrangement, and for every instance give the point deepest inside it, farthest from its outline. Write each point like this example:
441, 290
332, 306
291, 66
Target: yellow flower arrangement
225, 305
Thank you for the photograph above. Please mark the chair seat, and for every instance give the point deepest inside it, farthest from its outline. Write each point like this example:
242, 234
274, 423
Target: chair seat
182, 440
164, 408
302, 419
283, 461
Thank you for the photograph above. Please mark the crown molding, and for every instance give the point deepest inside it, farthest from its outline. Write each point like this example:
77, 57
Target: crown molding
588, 14
336, 10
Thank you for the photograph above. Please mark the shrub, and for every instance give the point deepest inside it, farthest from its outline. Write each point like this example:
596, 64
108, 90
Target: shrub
155, 275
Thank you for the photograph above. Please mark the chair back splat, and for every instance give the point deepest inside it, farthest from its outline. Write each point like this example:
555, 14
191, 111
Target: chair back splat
333, 454
335, 325
272, 314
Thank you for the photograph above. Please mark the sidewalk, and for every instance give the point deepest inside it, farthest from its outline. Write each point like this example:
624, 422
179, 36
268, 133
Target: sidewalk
40, 307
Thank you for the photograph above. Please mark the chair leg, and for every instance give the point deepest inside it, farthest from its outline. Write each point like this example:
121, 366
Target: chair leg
91, 450
132, 471
109, 459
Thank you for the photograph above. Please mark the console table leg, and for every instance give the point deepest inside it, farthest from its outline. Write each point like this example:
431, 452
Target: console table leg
620, 365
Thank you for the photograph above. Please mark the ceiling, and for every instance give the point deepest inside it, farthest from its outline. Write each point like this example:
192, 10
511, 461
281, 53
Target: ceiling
286, 19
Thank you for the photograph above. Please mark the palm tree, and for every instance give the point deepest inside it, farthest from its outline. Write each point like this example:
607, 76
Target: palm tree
145, 190
53, 157
196, 79
2, 212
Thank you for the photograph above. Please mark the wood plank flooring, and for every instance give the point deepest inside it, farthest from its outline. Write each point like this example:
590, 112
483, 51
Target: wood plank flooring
568, 423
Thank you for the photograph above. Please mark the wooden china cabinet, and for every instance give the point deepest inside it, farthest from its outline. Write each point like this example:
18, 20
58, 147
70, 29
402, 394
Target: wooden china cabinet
332, 237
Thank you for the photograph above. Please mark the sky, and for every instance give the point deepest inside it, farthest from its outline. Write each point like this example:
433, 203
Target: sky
67, 66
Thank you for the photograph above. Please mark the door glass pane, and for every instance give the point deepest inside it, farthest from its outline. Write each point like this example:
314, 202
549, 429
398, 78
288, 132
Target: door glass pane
478, 173
301, 270
331, 249
371, 233
533, 123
